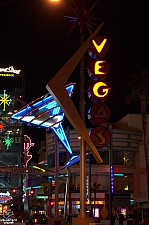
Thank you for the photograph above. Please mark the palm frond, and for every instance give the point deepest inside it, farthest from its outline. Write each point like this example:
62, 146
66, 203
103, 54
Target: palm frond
139, 85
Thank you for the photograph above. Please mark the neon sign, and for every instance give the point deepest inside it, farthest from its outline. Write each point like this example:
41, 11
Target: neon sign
1, 126
98, 69
100, 136
99, 91
98, 47
27, 145
7, 214
99, 114
112, 179
8, 141
6, 75
45, 112
36, 167
4, 197
18, 170
74, 159
10, 69
5, 100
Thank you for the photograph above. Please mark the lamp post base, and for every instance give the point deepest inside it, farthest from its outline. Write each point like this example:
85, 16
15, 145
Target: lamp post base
56, 221
82, 220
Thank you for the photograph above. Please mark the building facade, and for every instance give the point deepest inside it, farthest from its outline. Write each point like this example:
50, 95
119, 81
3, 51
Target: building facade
128, 162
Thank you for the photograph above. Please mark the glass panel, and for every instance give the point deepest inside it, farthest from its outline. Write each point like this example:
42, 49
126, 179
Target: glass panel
123, 158
128, 158
123, 183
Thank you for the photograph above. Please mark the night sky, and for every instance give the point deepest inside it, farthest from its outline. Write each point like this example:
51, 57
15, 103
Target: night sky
34, 38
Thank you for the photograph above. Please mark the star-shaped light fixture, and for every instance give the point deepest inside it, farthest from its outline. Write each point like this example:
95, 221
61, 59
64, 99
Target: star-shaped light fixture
8, 141
82, 17
5, 100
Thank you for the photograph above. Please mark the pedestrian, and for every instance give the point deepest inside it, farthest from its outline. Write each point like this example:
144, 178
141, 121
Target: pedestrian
113, 219
121, 218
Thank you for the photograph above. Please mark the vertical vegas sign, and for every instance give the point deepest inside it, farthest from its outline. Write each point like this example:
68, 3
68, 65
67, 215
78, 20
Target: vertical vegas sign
98, 92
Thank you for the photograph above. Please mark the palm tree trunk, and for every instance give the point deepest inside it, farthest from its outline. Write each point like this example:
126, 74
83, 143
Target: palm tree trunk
144, 130
94, 202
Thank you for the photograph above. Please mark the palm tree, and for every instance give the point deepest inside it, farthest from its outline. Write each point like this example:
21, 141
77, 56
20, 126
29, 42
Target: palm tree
139, 85
95, 189
45, 187
62, 188
36, 204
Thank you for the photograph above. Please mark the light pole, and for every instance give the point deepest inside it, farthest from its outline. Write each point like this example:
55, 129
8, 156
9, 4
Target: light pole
56, 175
82, 141
82, 17
110, 173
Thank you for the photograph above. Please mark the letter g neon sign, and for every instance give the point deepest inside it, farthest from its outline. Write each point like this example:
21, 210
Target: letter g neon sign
99, 91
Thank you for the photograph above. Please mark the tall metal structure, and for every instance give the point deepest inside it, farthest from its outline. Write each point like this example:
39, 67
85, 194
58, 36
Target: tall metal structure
12, 89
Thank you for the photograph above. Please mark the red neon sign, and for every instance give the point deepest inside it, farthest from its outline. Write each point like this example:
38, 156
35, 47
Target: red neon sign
100, 136
99, 114
1, 126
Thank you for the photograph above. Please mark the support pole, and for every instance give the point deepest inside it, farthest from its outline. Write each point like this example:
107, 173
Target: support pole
89, 183
110, 165
82, 152
65, 199
56, 175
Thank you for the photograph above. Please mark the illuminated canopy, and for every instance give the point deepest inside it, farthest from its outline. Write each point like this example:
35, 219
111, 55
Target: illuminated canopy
45, 112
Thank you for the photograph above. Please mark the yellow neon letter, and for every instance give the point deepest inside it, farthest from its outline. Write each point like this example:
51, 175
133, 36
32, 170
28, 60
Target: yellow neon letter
98, 67
97, 86
100, 46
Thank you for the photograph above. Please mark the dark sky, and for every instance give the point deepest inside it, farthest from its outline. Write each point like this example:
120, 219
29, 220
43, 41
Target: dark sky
33, 38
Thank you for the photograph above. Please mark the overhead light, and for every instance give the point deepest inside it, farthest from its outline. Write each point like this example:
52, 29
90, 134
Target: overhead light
79, 137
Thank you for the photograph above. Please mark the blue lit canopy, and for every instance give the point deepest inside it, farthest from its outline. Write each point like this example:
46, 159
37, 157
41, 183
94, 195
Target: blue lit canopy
45, 112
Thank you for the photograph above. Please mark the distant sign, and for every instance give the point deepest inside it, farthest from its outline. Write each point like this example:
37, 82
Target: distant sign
6, 75
121, 200
9, 69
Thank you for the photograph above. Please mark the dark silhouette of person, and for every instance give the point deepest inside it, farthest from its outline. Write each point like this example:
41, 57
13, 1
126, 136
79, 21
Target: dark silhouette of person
121, 218
113, 219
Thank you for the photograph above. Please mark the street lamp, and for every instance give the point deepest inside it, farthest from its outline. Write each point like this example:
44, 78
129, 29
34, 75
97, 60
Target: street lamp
53, 0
